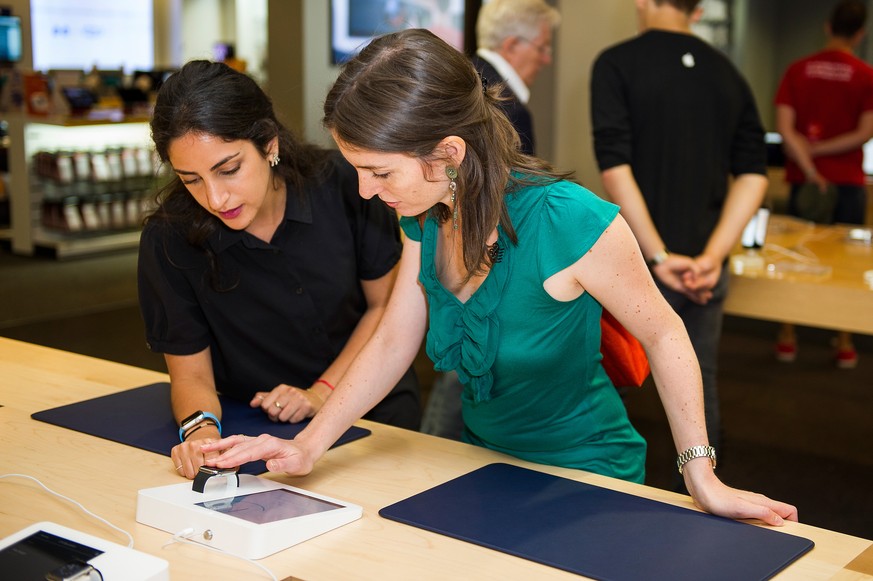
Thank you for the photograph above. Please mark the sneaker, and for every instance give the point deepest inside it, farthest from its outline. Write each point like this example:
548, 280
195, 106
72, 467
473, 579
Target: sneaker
786, 352
847, 358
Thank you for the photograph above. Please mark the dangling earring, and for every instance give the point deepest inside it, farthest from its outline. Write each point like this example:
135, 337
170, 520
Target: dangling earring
274, 161
452, 173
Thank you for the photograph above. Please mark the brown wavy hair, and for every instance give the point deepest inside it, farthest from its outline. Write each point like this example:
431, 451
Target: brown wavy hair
404, 93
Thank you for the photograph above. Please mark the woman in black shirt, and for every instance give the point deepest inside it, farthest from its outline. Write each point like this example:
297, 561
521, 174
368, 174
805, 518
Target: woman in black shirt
262, 272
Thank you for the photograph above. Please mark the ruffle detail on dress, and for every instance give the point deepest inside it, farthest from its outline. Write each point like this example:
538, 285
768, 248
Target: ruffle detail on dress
463, 337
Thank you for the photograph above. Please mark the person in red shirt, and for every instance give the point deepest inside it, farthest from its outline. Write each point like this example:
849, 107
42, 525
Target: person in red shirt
824, 111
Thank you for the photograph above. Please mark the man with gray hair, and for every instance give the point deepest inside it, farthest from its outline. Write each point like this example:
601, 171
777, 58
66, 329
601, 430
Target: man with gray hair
514, 43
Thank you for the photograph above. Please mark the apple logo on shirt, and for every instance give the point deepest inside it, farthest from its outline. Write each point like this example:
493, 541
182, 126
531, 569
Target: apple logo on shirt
688, 60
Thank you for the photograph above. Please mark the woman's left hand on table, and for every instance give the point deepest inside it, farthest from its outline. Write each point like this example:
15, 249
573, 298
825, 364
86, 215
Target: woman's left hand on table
712, 495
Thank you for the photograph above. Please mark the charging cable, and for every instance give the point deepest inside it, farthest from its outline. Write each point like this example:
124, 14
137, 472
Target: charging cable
184, 536
76, 503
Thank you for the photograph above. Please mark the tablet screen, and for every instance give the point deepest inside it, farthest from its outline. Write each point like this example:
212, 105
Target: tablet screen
34, 556
270, 506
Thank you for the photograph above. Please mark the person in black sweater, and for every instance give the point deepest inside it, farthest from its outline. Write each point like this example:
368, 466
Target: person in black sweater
673, 122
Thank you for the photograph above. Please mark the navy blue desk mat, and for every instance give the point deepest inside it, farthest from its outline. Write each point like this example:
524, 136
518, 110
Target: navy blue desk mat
141, 417
593, 531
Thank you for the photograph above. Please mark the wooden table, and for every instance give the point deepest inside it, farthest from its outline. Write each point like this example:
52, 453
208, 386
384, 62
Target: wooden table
811, 276
374, 472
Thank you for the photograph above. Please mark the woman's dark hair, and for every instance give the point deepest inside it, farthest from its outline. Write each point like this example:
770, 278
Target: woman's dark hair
210, 98
404, 93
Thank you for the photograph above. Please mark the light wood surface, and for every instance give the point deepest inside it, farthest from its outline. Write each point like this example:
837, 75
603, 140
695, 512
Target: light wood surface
812, 276
388, 466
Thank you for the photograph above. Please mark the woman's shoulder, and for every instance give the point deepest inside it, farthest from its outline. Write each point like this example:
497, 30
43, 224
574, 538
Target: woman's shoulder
561, 199
565, 221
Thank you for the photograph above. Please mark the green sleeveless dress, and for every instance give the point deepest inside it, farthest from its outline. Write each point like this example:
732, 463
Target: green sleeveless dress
534, 386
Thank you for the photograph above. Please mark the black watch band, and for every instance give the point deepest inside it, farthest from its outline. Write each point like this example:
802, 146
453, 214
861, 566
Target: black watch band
207, 472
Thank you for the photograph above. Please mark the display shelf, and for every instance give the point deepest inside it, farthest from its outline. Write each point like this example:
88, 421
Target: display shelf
29, 135
66, 246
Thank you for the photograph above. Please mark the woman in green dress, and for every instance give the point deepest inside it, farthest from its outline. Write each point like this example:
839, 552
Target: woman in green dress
505, 266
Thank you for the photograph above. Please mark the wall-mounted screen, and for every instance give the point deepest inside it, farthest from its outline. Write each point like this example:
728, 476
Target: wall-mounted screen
82, 34
10, 39
353, 23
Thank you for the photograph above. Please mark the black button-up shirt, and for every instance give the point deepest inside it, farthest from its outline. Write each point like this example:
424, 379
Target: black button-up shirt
291, 305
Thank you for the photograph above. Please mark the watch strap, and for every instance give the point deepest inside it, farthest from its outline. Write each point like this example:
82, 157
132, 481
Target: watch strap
205, 473
184, 428
200, 481
197, 426
696, 452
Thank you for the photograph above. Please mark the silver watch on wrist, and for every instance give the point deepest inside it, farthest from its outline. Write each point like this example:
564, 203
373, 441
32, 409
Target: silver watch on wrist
658, 258
696, 452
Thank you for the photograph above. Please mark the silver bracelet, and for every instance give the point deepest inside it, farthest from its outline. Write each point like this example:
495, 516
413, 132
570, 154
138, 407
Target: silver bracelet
696, 452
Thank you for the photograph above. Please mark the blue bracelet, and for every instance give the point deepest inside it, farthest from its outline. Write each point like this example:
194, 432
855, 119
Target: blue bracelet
196, 419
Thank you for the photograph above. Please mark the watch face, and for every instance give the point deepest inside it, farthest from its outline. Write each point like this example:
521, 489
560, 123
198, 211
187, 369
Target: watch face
213, 471
207, 472
196, 416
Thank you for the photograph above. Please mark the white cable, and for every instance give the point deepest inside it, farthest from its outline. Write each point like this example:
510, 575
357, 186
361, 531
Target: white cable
180, 537
808, 258
68, 499
183, 536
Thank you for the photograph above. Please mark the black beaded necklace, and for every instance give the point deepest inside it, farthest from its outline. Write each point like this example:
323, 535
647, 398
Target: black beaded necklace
495, 252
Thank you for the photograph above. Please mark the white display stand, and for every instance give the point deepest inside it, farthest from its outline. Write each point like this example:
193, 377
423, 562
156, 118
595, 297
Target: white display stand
254, 520
116, 563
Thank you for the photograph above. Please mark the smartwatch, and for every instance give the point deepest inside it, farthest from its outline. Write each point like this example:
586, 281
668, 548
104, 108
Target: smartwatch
195, 419
72, 571
207, 472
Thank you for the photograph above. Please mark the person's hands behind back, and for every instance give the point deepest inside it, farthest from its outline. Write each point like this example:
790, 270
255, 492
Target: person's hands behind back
680, 273
699, 285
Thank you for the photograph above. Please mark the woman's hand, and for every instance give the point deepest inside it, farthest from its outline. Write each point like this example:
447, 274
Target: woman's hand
281, 455
712, 495
287, 403
188, 456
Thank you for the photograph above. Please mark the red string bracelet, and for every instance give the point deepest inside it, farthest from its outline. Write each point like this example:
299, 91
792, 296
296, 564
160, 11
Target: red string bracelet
324, 381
